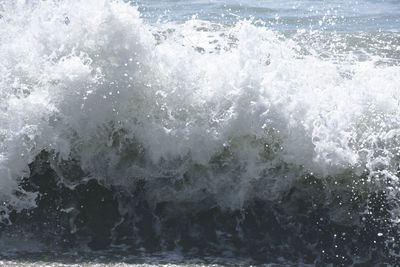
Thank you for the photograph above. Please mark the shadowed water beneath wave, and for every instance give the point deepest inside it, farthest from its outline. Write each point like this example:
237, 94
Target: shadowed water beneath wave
299, 228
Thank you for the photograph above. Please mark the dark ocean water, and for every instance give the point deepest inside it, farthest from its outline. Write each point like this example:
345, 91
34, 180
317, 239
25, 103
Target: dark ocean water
199, 133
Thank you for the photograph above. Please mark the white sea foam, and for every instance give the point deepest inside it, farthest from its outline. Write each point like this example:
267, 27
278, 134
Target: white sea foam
199, 110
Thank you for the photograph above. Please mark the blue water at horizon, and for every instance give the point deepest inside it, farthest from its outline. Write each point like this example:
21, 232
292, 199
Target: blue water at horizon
337, 15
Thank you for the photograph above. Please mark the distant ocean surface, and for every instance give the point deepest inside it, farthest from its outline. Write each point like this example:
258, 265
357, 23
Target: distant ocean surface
199, 133
340, 16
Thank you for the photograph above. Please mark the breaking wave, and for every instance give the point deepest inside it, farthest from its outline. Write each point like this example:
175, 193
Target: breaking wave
196, 120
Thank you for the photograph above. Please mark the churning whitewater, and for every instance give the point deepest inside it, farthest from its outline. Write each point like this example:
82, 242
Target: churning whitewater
220, 138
